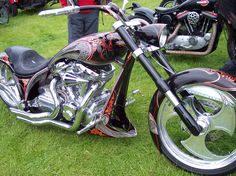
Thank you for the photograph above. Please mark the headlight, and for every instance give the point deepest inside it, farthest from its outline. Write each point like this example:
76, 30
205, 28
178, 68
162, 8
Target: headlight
154, 34
163, 37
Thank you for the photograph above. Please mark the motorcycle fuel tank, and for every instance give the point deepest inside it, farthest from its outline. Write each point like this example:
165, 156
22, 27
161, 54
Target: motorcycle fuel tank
95, 49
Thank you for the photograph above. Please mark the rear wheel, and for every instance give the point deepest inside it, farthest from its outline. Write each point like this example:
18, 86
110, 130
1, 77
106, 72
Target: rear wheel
213, 152
4, 15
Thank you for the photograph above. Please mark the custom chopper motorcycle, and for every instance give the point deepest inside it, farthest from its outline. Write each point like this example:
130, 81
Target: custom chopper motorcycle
193, 25
191, 116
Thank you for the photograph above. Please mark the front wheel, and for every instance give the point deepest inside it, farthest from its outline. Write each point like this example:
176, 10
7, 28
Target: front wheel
213, 152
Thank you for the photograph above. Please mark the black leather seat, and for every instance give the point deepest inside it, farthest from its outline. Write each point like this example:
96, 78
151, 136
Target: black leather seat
25, 61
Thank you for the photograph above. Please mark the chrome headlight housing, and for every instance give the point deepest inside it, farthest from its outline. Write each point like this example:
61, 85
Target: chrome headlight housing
154, 34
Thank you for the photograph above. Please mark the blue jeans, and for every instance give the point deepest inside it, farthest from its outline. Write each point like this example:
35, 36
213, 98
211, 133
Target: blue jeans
80, 25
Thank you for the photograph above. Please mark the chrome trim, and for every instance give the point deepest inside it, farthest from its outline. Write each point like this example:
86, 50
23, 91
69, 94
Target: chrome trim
137, 53
31, 82
44, 115
132, 23
117, 25
61, 11
9, 87
152, 48
174, 101
9, 96
217, 119
84, 103
195, 53
71, 79
45, 122
90, 125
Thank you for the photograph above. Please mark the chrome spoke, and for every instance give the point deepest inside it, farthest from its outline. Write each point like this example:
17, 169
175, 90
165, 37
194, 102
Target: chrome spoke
197, 147
190, 105
224, 120
215, 111
170, 113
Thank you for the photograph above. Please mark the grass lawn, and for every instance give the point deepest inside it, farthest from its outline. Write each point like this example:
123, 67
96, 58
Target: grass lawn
46, 150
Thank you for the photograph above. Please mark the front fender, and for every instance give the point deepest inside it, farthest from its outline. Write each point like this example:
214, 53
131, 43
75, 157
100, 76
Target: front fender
209, 77
206, 76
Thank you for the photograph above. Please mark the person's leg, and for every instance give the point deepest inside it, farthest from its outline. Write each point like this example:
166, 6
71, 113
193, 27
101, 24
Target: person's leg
75, 27
230, 66
91, 22
231, 43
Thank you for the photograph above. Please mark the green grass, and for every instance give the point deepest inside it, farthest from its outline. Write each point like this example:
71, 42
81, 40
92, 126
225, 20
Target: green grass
30, 150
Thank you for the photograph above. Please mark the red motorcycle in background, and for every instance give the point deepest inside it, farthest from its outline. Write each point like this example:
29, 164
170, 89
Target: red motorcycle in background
14, 5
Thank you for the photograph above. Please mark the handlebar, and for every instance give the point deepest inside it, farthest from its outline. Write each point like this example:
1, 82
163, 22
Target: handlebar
111, 8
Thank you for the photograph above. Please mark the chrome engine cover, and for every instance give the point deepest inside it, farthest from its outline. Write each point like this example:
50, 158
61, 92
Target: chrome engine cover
193, 18
186, 42
72, 97
79, 91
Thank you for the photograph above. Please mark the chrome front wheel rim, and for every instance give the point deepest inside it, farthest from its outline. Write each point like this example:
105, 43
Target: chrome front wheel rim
214, 147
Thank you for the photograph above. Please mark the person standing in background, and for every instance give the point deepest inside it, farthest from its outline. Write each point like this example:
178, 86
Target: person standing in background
227, 11
83, 23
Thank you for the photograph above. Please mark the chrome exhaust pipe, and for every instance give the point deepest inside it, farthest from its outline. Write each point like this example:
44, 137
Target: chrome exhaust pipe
47, 118
43, 115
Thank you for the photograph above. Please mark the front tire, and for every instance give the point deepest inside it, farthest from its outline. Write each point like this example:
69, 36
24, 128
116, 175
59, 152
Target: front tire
213, 152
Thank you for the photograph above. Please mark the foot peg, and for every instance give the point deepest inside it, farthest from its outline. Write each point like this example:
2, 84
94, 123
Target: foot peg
130, 99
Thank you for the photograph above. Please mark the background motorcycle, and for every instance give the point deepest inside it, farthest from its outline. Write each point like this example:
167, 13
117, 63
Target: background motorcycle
14, 5
191, 116
170, 3
194, 27
4, 15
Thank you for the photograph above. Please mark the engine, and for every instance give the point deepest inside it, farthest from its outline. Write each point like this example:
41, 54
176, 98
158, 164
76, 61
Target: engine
80, 90
194, 31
